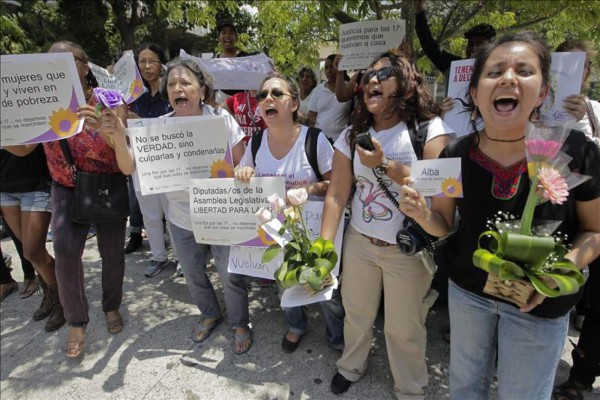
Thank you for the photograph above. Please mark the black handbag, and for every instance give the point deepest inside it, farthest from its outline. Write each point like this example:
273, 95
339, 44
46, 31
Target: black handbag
98, 198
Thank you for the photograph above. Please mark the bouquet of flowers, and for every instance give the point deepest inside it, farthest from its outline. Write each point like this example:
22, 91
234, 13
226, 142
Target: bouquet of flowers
520, 258
305, 262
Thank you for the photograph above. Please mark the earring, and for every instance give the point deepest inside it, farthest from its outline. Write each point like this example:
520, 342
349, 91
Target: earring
474, 114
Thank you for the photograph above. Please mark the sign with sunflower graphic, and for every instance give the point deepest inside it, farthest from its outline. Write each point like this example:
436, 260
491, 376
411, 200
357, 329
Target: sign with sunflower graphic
437, 178
223, 210
125, 78
169, 152
40, 94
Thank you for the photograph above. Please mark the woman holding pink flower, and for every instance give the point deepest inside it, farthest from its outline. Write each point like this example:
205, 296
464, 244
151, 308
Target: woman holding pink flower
509, 83
282, 152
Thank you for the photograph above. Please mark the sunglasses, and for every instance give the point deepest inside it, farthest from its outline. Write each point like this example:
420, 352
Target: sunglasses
382, 74
276, 94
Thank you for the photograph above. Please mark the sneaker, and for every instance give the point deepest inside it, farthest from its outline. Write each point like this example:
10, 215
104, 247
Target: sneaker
155, 267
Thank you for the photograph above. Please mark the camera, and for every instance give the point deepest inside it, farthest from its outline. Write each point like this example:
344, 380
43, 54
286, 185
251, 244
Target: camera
412, 238
364, 140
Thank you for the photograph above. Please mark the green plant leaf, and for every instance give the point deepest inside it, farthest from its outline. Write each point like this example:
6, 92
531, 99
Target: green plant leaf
270, 253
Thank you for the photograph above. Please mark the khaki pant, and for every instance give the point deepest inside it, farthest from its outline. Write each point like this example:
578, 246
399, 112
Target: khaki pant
367, 269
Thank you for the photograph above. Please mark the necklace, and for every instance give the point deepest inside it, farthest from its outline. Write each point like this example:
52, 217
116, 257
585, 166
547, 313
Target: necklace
503, 140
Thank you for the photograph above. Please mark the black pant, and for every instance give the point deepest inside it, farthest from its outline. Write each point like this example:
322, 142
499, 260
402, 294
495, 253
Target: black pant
586, 356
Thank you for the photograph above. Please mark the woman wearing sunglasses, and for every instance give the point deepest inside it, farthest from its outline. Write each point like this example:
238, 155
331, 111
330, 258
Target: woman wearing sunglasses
282, 153
393, 96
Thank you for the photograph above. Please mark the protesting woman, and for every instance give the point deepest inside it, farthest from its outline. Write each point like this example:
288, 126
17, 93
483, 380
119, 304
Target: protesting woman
393, 99
509, 83
282, 152
100, 148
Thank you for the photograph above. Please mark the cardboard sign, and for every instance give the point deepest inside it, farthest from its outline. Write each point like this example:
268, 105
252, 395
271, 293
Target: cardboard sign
126, 77
169, 152
39, 96
238, 73
223, 210
361, 42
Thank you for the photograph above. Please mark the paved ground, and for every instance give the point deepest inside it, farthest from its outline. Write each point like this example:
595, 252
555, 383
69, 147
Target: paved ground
154, 357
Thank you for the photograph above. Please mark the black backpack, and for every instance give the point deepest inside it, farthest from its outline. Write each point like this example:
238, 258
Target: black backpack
310, 147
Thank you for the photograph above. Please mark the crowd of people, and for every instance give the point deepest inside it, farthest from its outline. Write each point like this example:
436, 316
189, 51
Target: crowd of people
266, 130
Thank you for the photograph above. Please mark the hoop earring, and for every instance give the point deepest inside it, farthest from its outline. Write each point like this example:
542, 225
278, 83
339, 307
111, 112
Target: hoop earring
474, 114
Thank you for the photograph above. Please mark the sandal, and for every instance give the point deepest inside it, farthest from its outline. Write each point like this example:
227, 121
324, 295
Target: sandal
239, 340
30, 287
114, 321
75, 348
202, 331
7, 289
570, 390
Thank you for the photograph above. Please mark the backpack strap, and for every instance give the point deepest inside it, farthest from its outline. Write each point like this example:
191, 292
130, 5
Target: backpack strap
311, 149
256, 140
418, 137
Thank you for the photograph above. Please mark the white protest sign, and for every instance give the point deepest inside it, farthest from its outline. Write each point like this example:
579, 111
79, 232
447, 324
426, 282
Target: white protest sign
39, 97
247, 260
437, 177
223, 210
566, 74
243, 73
126, 77
459, 117
362, 41
167, 156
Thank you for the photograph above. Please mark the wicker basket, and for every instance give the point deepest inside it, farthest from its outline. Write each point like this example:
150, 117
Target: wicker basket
517, 291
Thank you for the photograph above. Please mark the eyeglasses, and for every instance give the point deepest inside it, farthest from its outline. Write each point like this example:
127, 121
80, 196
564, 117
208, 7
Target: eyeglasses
148, 62
276, 94
382, 74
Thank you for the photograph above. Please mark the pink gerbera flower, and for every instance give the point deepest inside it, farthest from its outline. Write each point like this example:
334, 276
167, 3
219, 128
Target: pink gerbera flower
544, 148
553, 186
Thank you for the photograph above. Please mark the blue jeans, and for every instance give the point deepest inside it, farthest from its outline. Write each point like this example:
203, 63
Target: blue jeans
193, 259
528, 348
333, 312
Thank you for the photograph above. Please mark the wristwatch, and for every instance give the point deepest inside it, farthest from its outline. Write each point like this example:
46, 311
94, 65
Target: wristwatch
385, 165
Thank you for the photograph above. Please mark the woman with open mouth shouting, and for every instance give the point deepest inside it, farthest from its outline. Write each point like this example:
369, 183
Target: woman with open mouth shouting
394, 99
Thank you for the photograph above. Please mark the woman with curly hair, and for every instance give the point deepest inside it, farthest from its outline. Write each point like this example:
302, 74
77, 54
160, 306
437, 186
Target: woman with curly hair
394, 98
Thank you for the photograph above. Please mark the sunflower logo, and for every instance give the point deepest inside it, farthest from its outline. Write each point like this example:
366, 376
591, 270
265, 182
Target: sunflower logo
136, 89
63, 122
451, 187
265, 239
221, 169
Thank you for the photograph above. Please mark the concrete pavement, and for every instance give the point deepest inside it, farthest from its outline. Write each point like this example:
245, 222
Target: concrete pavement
154, 357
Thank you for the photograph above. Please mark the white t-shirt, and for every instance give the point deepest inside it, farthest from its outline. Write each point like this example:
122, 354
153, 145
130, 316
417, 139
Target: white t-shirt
294, 166
179, 201
305, 103
373, 214
584, 123
332, 116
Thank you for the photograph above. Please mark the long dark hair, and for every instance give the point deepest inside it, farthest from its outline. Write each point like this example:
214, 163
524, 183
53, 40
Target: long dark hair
412, 101
537, 44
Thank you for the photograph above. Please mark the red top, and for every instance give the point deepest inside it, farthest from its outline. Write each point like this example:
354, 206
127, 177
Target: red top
90, 153
245, 111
